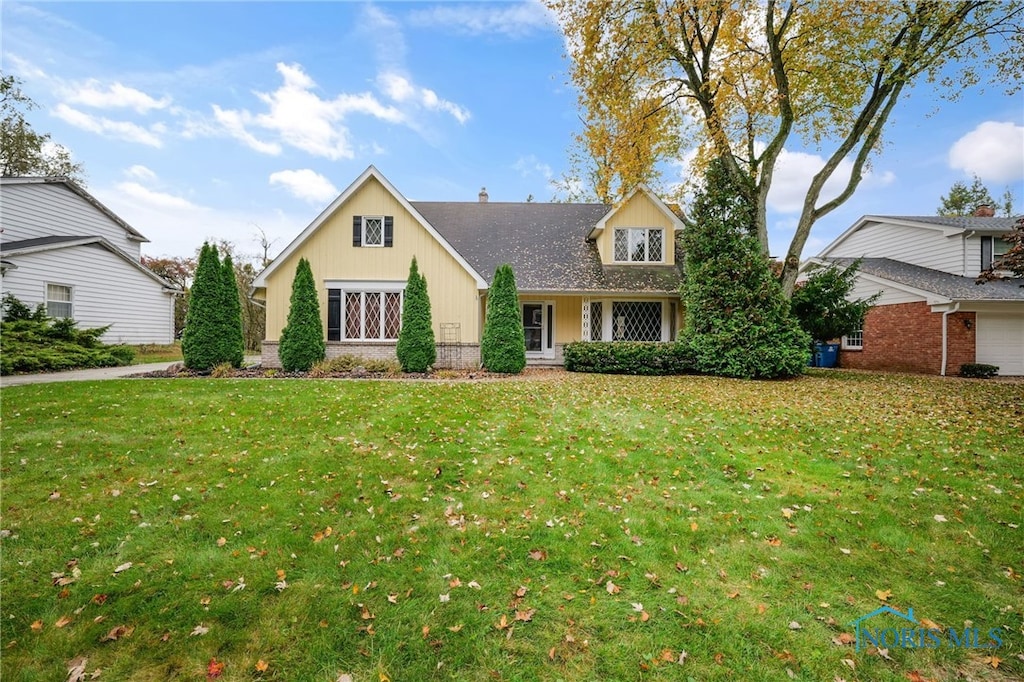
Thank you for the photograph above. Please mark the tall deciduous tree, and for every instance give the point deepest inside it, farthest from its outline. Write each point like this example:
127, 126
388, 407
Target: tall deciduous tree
738, 80
738, 322
302, 339
503, 346
23, 151
416, 350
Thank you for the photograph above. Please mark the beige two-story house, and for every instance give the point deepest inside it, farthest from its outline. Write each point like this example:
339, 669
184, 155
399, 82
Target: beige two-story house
584, 271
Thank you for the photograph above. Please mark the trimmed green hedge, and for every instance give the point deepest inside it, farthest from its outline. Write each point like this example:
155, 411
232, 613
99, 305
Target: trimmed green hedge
629, 357
978, 370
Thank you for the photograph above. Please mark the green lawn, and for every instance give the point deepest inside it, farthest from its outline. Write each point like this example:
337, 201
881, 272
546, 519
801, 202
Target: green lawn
565, 528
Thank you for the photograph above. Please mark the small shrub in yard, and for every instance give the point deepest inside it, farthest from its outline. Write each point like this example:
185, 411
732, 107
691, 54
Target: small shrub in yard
382, 366
628, 357
32, 342
416, 350
503, 346
302, 339
232, 340
222, 371
978, 370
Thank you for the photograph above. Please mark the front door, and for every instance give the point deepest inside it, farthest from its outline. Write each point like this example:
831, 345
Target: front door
538, 330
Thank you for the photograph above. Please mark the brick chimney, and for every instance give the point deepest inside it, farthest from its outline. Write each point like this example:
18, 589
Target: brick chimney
483, 195
984, 211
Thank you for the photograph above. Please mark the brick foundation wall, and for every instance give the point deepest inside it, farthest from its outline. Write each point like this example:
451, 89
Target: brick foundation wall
907, 337
466, 356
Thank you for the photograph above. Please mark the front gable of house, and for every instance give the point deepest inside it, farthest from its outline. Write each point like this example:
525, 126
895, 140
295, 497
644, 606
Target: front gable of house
641, 230
359, 250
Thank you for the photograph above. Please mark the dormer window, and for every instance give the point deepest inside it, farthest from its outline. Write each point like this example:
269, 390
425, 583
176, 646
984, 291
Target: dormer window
992, 249
639, 245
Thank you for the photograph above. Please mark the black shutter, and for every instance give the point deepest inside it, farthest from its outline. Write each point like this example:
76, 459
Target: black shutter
551, 327
357, 230
334, 314
389, 230
986, 253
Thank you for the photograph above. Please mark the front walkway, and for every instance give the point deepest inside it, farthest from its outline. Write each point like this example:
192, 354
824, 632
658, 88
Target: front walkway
95, 374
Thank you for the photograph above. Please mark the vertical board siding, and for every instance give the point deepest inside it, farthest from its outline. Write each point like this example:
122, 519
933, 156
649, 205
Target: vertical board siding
639, 211
106, 291
918, 246
452, 290
38, 210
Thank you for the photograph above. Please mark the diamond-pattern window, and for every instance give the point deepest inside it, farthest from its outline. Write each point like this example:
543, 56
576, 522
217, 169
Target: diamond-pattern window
392, 314
353, 315
373, 231
636, 321
639, 245
371, 327
596, 321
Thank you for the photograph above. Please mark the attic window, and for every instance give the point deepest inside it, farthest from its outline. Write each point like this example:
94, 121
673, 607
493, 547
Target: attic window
639, 245
373, 230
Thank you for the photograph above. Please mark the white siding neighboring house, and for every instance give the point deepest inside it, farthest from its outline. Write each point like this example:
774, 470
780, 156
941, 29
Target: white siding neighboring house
61, 247
931, 317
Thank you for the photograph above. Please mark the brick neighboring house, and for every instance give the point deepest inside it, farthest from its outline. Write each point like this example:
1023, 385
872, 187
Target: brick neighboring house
931, 317
584, 271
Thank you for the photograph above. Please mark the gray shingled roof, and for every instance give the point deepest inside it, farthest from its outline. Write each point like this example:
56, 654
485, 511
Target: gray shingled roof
959, 222
545, 244
7, 247
953, 287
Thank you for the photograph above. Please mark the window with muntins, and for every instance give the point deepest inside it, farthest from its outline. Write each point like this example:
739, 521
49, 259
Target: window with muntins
639, 245
636, 321
58, 301
370, 230
363, 315
854, 340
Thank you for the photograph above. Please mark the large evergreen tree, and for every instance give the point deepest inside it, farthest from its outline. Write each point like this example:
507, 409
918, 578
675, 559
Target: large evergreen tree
201, 342
738, 322
503, 346
416, 349
302, 339
232, 340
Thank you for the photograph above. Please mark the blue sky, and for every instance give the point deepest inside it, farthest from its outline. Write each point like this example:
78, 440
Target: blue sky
209, 120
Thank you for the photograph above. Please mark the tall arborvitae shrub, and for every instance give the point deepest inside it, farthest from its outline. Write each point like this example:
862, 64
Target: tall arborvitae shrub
232, 341
416, 350
302, 339
200, 341
503, 347
738, 321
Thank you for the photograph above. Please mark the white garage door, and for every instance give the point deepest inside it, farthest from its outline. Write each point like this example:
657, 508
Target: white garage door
1000, 342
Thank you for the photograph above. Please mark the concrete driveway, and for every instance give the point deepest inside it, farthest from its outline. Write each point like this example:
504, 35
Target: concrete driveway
94, 374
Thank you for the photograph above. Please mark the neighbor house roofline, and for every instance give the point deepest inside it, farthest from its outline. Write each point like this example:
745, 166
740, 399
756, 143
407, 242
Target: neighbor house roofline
949, 227
370, 173
133, 234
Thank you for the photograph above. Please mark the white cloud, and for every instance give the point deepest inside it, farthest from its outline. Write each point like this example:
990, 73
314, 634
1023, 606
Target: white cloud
793, 174
402, 90
141, 173
121, 130
114, 96
305, 184
529, 165
234, 123
154, 199
994, 151
513, 21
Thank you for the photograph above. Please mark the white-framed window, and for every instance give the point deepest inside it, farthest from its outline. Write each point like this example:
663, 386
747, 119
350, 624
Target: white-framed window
639, 245
363, 315
373, 230
59, 301
854, 340
992, 250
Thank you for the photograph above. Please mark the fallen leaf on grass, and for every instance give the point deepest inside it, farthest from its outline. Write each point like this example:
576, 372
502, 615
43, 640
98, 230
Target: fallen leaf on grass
844, 639
261, 666
76, 669
538, 554
612, 588
214, 669
994, 661
883, 595
221, 541
503, 624
61, 622
793, 625
199, 630
940, 518
117, 632
99, 599
37, 626
525, 616
123, 567
455, 628
344, 677
915, 676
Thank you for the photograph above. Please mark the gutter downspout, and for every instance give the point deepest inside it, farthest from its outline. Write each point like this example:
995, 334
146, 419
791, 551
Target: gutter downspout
945, 328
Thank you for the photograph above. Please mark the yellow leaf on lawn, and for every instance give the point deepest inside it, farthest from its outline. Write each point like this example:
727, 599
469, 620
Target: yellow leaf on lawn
883, 595
222, 541
261, 666
694, 526
61, 622
37, 626
930, 624
994, 661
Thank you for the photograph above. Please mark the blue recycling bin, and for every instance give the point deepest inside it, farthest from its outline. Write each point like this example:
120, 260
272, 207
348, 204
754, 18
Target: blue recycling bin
826, 354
